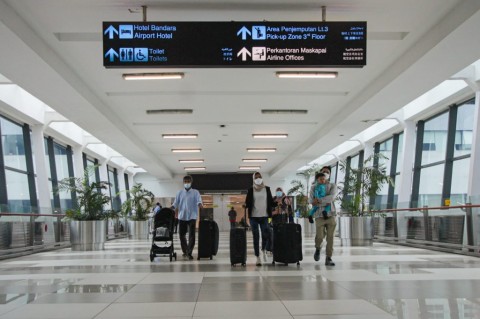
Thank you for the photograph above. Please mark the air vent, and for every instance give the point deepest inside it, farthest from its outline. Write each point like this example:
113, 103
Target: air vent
170, 111
272, 111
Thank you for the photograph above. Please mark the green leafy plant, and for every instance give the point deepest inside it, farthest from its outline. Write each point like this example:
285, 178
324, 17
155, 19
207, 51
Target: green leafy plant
140, 203
358, 192
90, 199
301, 189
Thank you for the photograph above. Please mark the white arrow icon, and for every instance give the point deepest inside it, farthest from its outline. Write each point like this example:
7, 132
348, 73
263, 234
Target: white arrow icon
244, 31
244, 52
112, 53
110, 30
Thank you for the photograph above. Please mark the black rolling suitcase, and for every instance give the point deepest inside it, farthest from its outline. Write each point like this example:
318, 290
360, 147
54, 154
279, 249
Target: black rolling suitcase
287, 247
238, 246
207, 239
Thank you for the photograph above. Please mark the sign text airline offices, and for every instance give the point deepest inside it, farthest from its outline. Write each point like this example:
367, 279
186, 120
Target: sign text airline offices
234, 44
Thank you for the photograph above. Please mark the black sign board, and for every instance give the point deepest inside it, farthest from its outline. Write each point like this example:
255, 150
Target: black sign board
234, 44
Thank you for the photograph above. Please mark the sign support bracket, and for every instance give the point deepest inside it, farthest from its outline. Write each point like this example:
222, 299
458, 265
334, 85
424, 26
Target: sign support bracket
144, 12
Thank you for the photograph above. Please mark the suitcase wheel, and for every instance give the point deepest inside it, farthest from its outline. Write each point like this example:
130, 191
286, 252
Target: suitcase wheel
244, 265
211, 257
152, 257
273, 263
298, 263
171, 257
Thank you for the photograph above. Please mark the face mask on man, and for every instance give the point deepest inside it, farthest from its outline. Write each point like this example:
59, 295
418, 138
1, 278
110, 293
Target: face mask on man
258, 181
187, 185
327, 176
279, 194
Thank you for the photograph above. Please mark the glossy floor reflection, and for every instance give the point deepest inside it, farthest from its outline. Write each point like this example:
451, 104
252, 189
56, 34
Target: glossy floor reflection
382, 281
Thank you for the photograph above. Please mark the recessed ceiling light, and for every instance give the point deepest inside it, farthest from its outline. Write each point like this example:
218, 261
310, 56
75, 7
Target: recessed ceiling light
153, 76
192, 161
254, 160
261, 150
186, 150
273, 111
179, 135
195, 168
270, 135
249, 168
170, 111
307, 75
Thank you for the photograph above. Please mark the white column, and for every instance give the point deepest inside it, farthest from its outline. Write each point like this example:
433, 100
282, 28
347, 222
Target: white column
405, 179
41, 165
121, 184
368, 150
131, 181
474, 176
78, 161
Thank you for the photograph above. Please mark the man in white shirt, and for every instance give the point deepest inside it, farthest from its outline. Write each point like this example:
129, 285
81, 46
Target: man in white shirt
186, 205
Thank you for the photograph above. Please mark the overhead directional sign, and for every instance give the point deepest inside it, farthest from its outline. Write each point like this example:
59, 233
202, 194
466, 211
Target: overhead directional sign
234, 44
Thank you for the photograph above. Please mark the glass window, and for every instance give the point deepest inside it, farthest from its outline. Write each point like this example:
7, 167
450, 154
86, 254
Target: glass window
386, 149
459, 189
333, 175
354, 162
400, 153
61, 163
90, 164
464, 130
381, 200
431, 186
435, 139
113, 189
13, 145
18, 192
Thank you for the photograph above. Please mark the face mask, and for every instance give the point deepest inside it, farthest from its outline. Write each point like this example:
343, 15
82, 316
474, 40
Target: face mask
258, 181
187, 185
327, 176
279, 194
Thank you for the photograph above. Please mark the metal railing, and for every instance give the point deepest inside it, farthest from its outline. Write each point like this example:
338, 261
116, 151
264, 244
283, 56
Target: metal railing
23, 233
447, 228
26, 233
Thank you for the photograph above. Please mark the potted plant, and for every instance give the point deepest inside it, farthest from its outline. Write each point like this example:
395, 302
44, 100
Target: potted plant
88, 217
137, 209
357, 196
300, 190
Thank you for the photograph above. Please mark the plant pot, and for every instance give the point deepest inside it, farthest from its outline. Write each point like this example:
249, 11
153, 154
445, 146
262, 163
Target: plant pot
138, 229
356, 231
88, 235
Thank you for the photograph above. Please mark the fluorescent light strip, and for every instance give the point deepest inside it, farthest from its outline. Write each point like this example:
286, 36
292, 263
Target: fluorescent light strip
273, 111
261, 150
170, 111
192, 161
270, 135
253, 160
195, 168
153, 76
186, 150
179, 136
307, 75
249, 168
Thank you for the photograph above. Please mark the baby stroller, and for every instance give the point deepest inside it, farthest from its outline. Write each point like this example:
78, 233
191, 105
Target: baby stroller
162, 234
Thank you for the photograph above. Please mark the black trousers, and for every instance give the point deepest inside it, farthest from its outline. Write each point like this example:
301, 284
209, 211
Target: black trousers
184, 226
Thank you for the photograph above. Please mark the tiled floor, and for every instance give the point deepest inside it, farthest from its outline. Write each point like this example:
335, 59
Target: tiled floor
368, 282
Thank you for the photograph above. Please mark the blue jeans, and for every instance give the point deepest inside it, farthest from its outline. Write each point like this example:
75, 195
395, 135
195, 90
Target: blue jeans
255, 222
